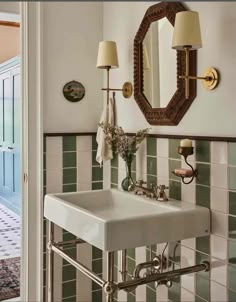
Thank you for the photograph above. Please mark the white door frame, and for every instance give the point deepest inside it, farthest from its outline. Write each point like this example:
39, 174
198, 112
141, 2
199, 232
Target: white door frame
32, 152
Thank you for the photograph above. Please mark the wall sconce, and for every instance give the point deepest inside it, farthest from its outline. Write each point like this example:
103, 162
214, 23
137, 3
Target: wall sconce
187, 37
185, 149
107, 59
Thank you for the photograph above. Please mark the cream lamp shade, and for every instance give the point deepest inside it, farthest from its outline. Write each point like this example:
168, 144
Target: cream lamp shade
187, 31
107, 55
146, 63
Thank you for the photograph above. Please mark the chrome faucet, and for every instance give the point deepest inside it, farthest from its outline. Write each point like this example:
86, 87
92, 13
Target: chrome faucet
151, 192
162, 194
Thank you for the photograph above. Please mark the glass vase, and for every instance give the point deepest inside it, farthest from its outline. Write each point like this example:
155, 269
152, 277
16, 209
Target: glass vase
128, 180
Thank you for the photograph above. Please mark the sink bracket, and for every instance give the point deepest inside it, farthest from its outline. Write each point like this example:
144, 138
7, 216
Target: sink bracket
110, 286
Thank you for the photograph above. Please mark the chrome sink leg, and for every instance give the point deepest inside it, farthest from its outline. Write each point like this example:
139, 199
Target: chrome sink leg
50, 261
109, 287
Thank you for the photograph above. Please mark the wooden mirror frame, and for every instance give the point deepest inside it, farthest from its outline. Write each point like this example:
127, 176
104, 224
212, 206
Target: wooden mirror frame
178, 104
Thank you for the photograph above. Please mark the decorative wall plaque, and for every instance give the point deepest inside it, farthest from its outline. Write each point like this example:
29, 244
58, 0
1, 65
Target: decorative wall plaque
74, 91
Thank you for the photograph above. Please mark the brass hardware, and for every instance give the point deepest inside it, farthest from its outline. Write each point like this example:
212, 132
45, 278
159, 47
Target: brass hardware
185, 152
25, 177
127, 89
210, 78
162, 194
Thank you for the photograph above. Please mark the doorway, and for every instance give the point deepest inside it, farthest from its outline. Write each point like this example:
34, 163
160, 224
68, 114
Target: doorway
10, 160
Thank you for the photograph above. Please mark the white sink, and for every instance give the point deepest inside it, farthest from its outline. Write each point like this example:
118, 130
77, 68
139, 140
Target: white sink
113, 220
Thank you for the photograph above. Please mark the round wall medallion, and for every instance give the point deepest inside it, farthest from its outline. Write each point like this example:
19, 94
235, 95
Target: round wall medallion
73, 91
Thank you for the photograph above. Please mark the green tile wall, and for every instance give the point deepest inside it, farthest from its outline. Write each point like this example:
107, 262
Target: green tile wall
202, 248
69, 184
202, 191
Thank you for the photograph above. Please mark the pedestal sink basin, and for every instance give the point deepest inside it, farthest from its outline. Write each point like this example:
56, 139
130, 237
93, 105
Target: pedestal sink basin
113, 220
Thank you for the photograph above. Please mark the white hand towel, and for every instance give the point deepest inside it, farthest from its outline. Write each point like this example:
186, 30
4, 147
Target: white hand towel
104, 151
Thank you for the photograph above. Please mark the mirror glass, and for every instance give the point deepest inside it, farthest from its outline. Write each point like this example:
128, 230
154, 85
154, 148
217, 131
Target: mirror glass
159, 64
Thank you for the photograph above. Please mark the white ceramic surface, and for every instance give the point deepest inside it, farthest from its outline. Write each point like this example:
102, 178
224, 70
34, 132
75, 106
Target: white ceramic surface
112, 219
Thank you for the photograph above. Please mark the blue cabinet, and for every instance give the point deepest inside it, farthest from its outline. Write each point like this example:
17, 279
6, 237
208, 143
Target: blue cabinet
10, 134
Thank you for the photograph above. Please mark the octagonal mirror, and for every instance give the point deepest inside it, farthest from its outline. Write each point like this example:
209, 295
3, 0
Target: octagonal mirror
158, 90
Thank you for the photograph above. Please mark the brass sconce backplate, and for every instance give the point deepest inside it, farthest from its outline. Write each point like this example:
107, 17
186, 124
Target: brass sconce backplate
211, 80
127, 90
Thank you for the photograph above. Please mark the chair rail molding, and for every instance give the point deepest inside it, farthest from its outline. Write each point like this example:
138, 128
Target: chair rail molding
32, 151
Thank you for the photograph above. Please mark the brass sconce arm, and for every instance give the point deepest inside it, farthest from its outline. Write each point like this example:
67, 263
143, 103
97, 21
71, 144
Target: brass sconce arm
210, 78
127, 89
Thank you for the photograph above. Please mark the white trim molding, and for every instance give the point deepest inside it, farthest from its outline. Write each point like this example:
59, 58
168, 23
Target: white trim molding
32, 152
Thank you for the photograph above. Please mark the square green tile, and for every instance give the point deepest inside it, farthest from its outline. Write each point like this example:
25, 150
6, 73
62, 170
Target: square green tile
203, 244
96, 253
44, 178
68, 236
97, 296
232, 154
231, 296
44, 144
68, 273
69, 143
203, 287
94, 162
152, 146
68, 289
202, 151
151, 165
114, 161
232, 252
131, 253
232, 178
231, 277
203, 196
114, 175
69, 176
173, 148
69, 299
174, 293
94, 143
232, 227
174, 164
97, 185
95, 286
198, 299
131, 297
151, 180
232, 203
72, 251
97, 173
44, 161
175, 190
200, 257
130, 265
97, 266
69, 159
203, 177
150, 295
69, 188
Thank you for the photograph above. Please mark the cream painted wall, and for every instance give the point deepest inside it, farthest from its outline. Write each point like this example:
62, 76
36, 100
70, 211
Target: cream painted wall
72, 31
10, 7
212, 113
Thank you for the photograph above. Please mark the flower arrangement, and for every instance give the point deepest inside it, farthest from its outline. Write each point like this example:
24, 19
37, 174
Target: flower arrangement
123, 144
